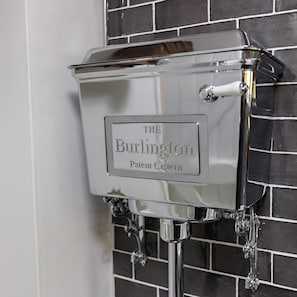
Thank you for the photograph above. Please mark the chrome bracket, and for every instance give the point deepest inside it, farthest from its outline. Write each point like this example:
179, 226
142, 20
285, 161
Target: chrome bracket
248, 228
135, 226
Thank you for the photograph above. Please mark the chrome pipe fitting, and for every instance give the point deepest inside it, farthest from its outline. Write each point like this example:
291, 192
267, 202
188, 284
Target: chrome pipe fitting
171, 231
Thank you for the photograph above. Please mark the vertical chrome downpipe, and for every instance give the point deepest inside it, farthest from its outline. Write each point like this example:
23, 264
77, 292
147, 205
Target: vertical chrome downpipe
175, 269
174, 233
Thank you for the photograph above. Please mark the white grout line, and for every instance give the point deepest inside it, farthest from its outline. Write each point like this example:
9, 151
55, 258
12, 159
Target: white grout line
133, 270
154, 16
281, 220
278, 286
158, 292
267, 14
131, 6
274, 118
283, 254
283, 48
270, 202
210, 271
212, 241
273, 152
273, 7
139, 282
237, 287
208, 10
285, 83
271, 268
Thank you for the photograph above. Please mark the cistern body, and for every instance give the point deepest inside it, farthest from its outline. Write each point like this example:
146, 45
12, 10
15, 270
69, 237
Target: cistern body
153, 137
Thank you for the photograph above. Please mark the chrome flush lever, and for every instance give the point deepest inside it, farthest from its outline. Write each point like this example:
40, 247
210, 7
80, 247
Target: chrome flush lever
211, 93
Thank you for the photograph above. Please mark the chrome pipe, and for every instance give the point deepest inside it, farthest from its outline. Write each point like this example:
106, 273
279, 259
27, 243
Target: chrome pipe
175, 269
175, 233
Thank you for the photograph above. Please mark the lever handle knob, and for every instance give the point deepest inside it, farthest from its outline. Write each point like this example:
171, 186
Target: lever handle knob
211, 93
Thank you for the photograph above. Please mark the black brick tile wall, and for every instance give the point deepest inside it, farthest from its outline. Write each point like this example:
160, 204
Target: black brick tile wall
124, 288
116, 3
288, 57
224, 255
127, 21
176, 13
278, 236
266, 290
284, 203
214, 265
285, 5
220, 231
154, 272
209, 28
202, 283
232, 9
122, 264
272, 31
282, 275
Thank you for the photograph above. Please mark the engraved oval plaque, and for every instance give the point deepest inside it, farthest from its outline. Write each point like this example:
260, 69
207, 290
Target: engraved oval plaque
154, 147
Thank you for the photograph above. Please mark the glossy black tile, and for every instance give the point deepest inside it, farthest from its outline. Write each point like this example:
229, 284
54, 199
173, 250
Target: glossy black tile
120, 220
283, 170
261, 133
209, 28
232, 9
154, 36
222, 230
288, 58
118, 41
122, 241
133, 2
265, 291
206, 284
282, 135
154, 272
114, 24
286, 101
262, 207
259, 166
196, 253
265, 101
152, 224
163, 293
176, 13
285, 5
129, 244
285, 271
124, 288
122, 264
151, 244
131, 20
278, 236
284, 203
116, 3
224, 257
272, 31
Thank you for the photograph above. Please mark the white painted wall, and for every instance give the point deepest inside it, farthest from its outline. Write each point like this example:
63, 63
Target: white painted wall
55, 238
